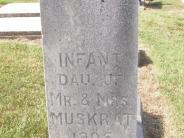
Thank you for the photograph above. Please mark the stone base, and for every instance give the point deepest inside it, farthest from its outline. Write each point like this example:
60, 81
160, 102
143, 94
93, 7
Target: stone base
20, 10
20, 26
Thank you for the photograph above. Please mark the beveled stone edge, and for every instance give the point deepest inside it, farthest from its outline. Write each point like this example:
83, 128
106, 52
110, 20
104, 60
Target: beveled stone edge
140, 129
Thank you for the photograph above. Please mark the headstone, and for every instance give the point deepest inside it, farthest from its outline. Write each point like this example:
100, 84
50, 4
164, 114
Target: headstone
90, 60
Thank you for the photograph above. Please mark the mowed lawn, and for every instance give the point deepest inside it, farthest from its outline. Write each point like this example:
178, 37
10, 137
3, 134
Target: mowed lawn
161, 30
15, 1
22, 99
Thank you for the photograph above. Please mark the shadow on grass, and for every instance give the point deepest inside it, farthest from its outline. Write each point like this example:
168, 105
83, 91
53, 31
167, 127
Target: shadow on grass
153, 125
153, 5
144, 60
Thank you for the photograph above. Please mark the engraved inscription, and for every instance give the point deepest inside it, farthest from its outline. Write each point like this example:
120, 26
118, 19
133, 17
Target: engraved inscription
91, 119
98, 99
91, 135
110, 79
88, 60
61, 100
74, 79
86, 79
112, 100
84, 99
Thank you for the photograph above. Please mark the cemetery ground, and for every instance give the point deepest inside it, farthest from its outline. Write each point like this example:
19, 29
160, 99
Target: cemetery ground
14, 1
161, 33
161, 77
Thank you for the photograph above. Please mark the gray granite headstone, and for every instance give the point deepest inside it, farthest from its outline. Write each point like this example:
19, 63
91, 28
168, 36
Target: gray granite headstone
90, 60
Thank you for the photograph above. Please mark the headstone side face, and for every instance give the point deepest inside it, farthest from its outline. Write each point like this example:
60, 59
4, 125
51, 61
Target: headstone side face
90, 61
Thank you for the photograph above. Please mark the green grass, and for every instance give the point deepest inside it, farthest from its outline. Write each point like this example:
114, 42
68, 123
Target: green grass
14, 1
162, 31
22, 100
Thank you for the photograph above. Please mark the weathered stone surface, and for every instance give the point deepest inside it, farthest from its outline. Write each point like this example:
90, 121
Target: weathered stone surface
90, 57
